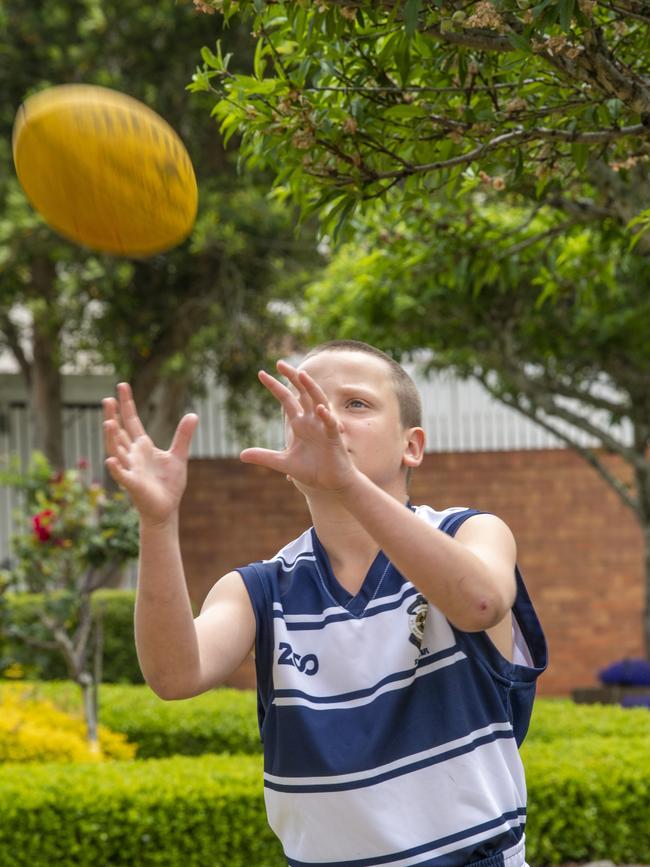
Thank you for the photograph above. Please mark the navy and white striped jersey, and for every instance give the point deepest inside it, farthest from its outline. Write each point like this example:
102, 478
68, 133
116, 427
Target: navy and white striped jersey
390, 737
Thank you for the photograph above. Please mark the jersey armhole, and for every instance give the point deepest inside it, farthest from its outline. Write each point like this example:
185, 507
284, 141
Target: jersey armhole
259, 591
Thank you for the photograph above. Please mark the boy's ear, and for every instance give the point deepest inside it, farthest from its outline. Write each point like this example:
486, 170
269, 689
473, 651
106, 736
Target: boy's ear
414, 447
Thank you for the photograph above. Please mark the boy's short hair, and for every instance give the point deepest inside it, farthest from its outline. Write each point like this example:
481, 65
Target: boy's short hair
408, 397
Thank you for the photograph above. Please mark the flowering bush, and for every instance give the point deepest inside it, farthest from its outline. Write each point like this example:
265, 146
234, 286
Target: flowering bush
77, 536
76, 539
34, 730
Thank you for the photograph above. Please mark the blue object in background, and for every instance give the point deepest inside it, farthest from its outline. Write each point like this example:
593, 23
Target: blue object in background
627, 672
636, 701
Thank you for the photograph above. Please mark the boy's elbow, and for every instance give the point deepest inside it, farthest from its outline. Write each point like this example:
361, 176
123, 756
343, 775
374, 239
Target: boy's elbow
169, 691
483, 613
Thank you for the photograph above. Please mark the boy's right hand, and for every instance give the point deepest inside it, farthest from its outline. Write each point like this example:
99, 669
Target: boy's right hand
154, 479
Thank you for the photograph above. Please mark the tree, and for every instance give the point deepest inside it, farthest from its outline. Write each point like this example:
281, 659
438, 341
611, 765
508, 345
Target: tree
77, 539
159, 322
483, 161
349, 100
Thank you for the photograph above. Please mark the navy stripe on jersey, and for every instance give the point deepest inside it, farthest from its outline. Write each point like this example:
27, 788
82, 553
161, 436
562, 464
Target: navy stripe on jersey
512, 819
378, 775
421, 718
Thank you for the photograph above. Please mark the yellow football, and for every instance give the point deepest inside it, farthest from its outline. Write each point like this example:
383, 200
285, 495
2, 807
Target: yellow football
104, 170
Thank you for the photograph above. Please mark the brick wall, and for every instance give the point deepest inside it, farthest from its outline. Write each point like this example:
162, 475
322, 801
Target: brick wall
580, 549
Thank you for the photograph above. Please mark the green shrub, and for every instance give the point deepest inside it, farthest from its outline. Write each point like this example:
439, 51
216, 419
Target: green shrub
588, 800
205, 812
589, 794
120, 663
562, 719
220, 721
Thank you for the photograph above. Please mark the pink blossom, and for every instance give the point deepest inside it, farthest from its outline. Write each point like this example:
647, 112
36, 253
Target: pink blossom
41, 524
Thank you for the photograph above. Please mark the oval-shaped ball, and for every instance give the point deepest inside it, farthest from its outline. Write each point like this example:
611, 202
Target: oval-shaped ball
104, 170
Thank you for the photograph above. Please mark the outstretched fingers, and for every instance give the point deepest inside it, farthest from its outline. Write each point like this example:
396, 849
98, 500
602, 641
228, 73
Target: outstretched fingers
332, 424
294, 377
286, 398
128, 412
312, 388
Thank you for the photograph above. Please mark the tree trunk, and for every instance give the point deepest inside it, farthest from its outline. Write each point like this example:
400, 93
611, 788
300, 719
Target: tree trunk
88, 691
161, 403
45, 386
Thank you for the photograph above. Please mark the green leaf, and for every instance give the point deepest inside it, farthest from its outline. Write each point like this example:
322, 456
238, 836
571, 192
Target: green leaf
519, 42
411, 12
566, 14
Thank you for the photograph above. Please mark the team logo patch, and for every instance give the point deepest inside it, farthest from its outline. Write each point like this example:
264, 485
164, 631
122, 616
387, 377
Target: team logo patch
306, 664
417, 612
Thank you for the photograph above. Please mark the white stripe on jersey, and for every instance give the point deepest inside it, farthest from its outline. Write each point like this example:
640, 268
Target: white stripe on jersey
288, 555
342, 649
396, 815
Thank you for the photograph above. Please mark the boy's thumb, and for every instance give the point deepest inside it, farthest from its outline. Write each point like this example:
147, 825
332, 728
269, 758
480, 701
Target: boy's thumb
183, 437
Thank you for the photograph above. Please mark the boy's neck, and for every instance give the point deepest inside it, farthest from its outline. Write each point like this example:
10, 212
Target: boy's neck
351, 550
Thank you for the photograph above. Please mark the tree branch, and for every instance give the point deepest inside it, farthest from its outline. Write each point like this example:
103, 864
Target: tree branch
630, 8
519, 136
542, 236
481, 40
540, 397
594, 64
588, 454
623, 409
15, 632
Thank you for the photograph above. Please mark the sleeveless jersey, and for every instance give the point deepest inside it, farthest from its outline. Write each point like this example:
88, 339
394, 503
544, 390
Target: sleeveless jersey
390, 737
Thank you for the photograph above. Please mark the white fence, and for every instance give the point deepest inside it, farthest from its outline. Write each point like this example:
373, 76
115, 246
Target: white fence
458, 416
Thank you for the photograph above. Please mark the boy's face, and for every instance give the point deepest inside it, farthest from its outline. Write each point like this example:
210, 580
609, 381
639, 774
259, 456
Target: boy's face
361, 393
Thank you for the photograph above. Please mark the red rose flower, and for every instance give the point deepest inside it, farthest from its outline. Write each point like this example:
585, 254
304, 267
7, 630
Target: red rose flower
41, 524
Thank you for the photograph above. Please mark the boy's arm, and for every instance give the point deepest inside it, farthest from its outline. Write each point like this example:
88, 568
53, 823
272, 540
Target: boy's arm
180, 656
471, 578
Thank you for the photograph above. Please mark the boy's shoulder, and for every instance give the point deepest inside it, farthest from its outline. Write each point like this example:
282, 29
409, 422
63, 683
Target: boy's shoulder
439, 518
297, 551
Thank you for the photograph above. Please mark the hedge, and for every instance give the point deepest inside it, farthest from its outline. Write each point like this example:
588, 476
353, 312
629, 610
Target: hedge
120, 662
225, 720
587, 767
194, 812
562, 719
589, 799
220, 721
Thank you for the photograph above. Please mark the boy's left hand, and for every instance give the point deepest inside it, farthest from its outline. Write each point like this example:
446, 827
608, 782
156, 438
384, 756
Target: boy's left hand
315, 456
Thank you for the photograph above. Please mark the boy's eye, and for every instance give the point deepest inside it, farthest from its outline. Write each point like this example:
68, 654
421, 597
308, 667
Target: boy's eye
356, 403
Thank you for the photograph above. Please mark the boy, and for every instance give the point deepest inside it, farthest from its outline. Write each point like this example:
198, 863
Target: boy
396, 647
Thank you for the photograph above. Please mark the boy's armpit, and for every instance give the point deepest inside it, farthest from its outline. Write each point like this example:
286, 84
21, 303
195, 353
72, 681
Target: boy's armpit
225, 630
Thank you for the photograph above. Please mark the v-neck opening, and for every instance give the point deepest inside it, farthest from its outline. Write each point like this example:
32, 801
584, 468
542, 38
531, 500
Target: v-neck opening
354, 604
